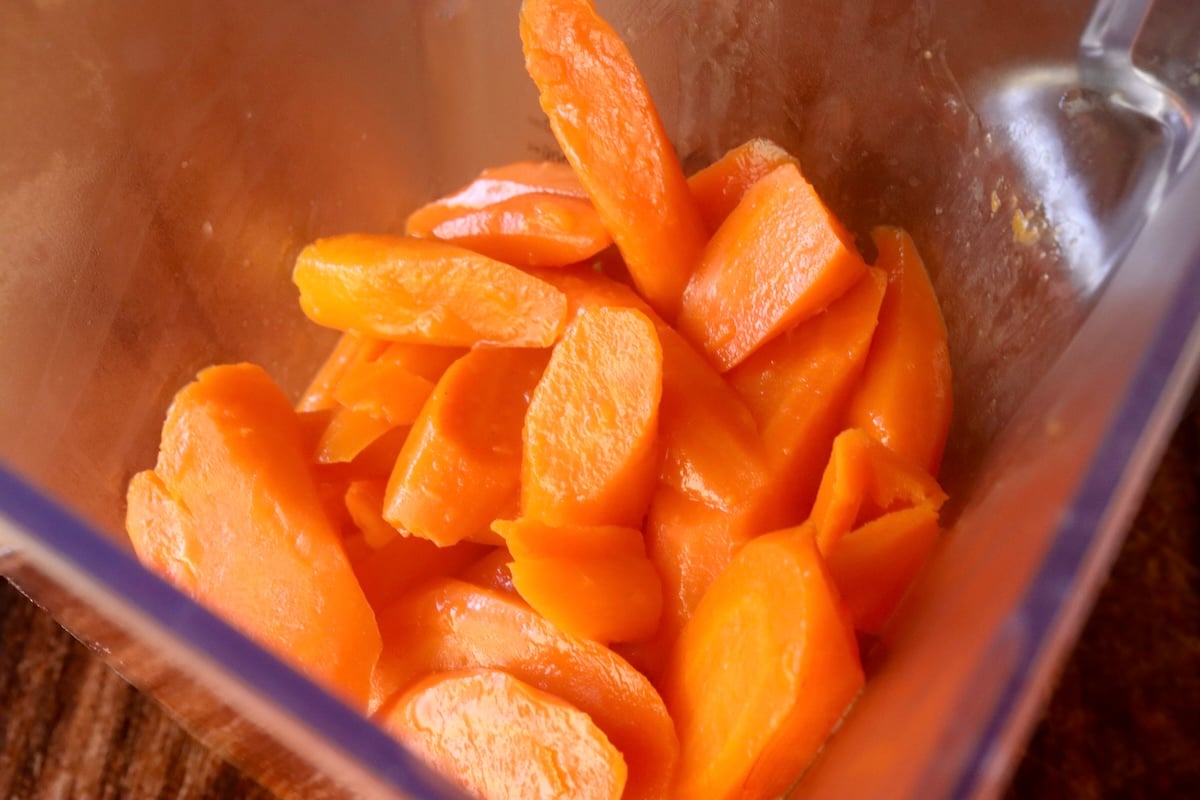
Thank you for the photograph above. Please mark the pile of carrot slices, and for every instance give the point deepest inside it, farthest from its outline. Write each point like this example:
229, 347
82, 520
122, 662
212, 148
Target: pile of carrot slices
608, 474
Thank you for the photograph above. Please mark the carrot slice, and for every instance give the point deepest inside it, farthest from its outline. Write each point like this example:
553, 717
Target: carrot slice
450, 625
797, 386
863, 480
529, 230
426, 292
351, 349
461, 464
349, 434
719, 187
387, 572
496, 185
530, 538
607, 126
383, 389
590, 434
905, 397
497, 737
364, 503
873, 565
491, 572
163, 532
602, 599
691, 543
240, 516
711, 446
593, 581
778, 259
423, 360
762, 673
586, 288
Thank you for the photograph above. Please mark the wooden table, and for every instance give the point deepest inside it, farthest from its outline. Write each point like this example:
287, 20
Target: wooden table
1124, 722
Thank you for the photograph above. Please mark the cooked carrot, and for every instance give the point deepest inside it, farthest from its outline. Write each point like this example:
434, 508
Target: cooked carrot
425, 292
590, 434
351, 348
613, 599
348, 434
163, 532
387, 572
374, 462
873, 565
461, 464
451, 625
495, 185
762, 673
530, 538
497, 737
863, 480
712, 448
491, 571
797, 386
719, 187
905, 397
246, 531
593, 581
423, 360
690, 543
529, 230
778, 259
364, 503
384, 390
586, 288
607, 126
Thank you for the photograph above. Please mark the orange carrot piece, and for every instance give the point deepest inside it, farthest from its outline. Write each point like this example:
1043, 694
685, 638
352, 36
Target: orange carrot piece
312, 427
589, 454
905, 397
374, 462
762, 673
863, 480
530, 538
499, 738
586, 288
496, 185
364, 503
797, 386
778, 259
691, 543
348, 434
593, 581
711, 446
249, 536
710, 443
719, 187
163, 533
452, 625
423, 360
351, 349
425, 292
491, 571
530, 230
607, 126
461, 464
386, 573
602, 599
873, 565
384, 390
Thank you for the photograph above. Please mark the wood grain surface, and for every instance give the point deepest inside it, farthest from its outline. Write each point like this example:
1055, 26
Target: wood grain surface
1124, 721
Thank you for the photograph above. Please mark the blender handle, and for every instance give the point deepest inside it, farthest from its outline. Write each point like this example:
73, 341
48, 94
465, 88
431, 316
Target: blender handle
1106, 66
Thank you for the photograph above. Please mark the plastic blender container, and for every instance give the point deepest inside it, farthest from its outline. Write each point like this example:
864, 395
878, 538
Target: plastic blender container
162, 164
